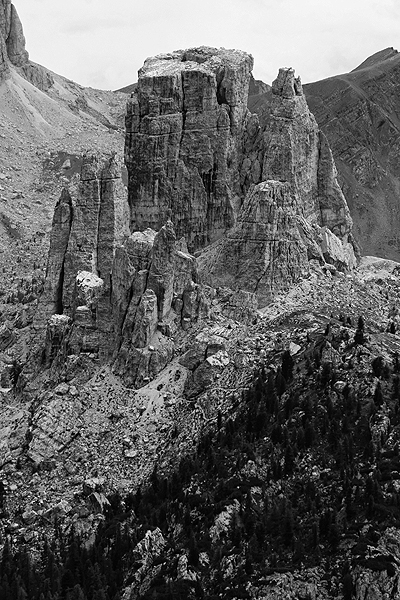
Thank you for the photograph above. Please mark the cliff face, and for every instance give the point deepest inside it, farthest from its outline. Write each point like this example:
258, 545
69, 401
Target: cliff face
12, 40
286, 144
264, 252
297, 210
123, 284
110, 293
183, 136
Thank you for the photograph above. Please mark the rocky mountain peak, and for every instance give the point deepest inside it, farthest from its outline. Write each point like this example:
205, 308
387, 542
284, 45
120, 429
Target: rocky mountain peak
378, 57
183, 136
202, 167
286, 84
12, 40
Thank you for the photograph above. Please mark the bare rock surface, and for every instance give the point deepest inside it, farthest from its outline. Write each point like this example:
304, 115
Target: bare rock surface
264, 252
182, 146
12, 40
286, 144
118, 296
358, 113
297, 210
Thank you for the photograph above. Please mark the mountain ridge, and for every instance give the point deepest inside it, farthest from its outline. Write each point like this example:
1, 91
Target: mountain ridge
364, 136
165, 438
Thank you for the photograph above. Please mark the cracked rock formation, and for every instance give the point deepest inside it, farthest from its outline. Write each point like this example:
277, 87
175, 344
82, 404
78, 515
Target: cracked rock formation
12, 40
264, 252
193, 151
108, 293
286, 144
296, 151
183, 142
295, 212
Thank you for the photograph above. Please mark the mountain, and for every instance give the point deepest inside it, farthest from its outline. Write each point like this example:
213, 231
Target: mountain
359, 113
200, 396
46, 121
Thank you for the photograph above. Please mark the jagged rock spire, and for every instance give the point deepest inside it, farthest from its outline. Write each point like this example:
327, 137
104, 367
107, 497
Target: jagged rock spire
286, 84
183, 139
12, 40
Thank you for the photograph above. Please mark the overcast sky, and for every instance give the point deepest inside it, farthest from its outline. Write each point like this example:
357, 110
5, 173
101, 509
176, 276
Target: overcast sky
103, 43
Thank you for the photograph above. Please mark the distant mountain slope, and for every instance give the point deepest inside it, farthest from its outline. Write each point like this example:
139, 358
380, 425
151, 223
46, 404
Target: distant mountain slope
360, 114
46, 122
128, 89
377, 58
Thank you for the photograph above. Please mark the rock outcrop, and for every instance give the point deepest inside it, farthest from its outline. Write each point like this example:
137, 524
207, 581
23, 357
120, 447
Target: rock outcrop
12, 40
295, 212
358, 113
296, 151
116, 296
163, 297
183, 142
264, 252
286, 144
119, 286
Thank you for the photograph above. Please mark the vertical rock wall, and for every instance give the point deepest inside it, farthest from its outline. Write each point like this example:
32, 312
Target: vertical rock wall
297, 210
108, 293
183, 142
52, 301
12, 40
264, 253
116, 271
90, 221
287, 145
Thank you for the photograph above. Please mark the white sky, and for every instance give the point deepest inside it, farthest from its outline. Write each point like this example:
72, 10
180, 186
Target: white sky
103, 43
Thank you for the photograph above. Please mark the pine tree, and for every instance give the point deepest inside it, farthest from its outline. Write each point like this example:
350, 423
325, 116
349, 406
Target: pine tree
377, 366
280, 382
347, 587
288, 526
287, 365
378, 395
193, 550
289, 460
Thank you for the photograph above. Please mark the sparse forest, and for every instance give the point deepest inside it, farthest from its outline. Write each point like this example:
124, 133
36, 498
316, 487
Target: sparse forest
302, 468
